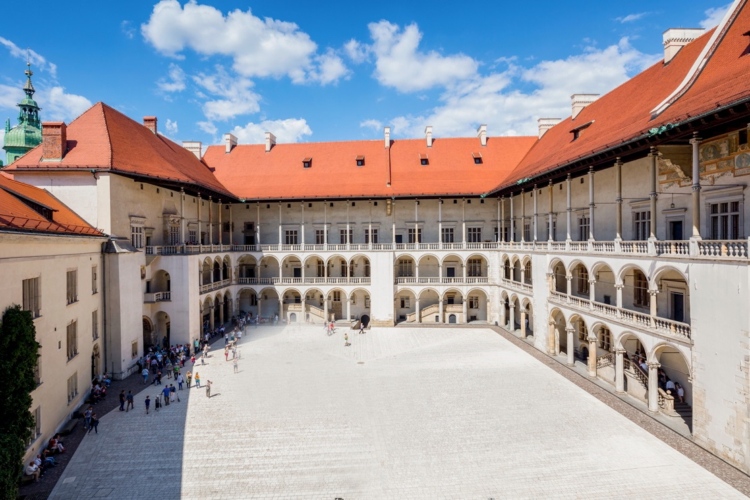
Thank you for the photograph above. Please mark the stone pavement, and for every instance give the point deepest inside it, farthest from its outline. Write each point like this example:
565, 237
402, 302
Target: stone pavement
402, 413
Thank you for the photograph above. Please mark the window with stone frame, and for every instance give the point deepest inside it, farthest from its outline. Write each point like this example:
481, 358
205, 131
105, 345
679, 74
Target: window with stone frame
584, 226
72, 387
320, 236
605, 339
415, 235
527, 231
345, 237
134, 349
136, 233
724, 220
405, 268
72, 286
32, 296
336, 296
474, 234
527, 272
640, 289
94, 280
291, 237
367, 269
174, 234
38, 370
473, 302
371, 238
641, 225
405, 303
474, 268
320, 268
553, 235
446, 235
71, 340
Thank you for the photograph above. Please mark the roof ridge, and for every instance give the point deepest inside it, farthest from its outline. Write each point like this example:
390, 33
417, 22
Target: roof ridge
109, 137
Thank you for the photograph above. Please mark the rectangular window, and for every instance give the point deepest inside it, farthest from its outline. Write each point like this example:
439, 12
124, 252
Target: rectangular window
94, 280
134, 349
136, 235
174, 235
527, 231
605, 339
95, 325
405, 267
415, 235
72, 387
553, 234
447, 235
473, 302
72, 340
37, 424
32, 299
371, 238
321, 268
583, 280
336, 296
474, 268
38, 370
192, 237
72, 286
320, 236
404, 302
343, 233
641, 225
367, 302
725, 220
640, 289
290, 237
584, 224
474, 234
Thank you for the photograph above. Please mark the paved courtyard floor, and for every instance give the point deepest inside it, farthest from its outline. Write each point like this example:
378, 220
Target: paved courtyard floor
402, 413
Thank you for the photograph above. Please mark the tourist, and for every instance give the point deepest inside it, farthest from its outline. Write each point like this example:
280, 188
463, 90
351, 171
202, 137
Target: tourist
173, 394
197, 380
361, 328
179, 381
148, 403
670, 386
226, 353
208, 388
122, 400
189, 378
87, 417
166, 392
47, 459
94, 424
157, 379
55, 445
33, 471
145, 374
346, 340
236, 367
680, 393
129, 399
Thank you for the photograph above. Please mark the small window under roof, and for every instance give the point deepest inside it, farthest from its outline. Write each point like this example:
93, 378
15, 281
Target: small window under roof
360, 161
477, 158
577, 131
423, 160
307, 163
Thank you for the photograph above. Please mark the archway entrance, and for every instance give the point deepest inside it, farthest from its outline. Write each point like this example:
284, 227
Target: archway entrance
148, 334
365, 319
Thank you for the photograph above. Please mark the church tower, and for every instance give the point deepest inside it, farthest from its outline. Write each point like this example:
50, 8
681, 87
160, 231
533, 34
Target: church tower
28, 133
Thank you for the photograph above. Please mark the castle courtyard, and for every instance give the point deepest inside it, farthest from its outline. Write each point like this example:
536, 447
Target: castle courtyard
401, 413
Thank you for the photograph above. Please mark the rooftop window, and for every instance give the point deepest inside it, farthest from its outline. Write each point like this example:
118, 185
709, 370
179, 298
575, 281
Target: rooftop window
307, 163
477, 158
423, 160
360, 161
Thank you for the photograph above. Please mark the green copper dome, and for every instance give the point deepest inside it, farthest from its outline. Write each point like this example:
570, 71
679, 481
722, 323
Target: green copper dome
28, 133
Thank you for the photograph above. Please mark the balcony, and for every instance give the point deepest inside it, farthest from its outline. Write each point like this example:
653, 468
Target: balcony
410, 280
306, 281
654, 324
209, 287
517, 285
151, 298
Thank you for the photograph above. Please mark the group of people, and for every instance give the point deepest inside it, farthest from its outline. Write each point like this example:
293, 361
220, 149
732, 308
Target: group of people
45, 460
666, 384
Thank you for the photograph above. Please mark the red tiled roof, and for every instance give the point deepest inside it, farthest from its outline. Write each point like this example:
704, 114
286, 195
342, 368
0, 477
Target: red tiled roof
621, 115
16, 214
251, 173
102, 138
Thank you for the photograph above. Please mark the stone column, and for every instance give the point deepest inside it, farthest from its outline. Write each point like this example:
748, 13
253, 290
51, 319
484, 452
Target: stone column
210, 222
695, 142
512, 221
281, 239
182, 216
523, 216
523, 322
221, 229
569, 207
569, 279
523, 273
221, 313
618, 297
211, 318
536, 215
231, 226
257, 225
325, 309
348, 309
550, 236
620, 370
464, 309
281, 308
440, 310
502, 218
618, 199
592, 291
440, 224
592, 356
304, 311
653, 387
652, 304
302, 231
418, 318
463, 223
570, 350
551, 338
653, 195
592, 205
512, 318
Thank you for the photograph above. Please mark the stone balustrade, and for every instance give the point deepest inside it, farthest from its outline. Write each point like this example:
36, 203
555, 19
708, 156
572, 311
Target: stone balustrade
209, 287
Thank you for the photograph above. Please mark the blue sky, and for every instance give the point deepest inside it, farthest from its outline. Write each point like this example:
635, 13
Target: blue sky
324, 71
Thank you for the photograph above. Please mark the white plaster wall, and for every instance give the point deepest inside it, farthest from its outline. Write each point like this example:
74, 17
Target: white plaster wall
381, 288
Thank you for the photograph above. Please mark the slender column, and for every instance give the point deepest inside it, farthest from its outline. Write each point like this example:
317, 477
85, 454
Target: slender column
200, 202
551, 338
618, 199
348, 239
523, 216
302, 231
257, 225
503, 319
210, 223
592, 292
281, 308
304, 311
221, 313
463, 269
463, 223
182, 216
231, 225
570, 349
592, 206
592, 356
695, 142
211, 318
512, 318
512, 221
221, 229
325, 231
260, 300
369, 229
652, 303
416, 226
440, 310
569, 207
349, 309
281, 240
502, 218
523, 273
440, 224
653, 195
325, 309
549, 215
569, 279
523, 323
393, 223
465, 310
653, 387
618, 297
418, 318
536, 214
619, 370
498, 238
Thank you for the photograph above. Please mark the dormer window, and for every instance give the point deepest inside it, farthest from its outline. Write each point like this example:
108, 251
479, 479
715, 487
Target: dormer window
477, 158
423, 160
307, 163
578, 130
360, 161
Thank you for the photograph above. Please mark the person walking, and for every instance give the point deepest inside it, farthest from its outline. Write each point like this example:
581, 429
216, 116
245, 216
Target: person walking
129, 399
180, 381
166, 392
87, 417
208, 388
145, 374
346, 340
122, 400
148, 403
189, 378
361, 328
226, 353
172, 393
197, 380
236, 367
94, 423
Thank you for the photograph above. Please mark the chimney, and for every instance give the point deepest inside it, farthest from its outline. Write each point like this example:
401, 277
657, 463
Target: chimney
677, 38
270, 141
194, 147
230, 142
580, 101
150, 123
482, 134
545, 124
387, 133
428, 135
54, 140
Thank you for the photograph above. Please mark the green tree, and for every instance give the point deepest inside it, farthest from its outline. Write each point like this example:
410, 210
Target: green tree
19, 352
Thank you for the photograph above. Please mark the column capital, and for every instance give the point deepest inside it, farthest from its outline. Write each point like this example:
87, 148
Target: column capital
550, 275
653, 292
592, 281
619, 286
654, 365
570, 329
569, 277
695, 139
620, 351
591, 338
618, 161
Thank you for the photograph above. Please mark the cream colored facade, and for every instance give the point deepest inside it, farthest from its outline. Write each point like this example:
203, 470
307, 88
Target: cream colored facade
65, 370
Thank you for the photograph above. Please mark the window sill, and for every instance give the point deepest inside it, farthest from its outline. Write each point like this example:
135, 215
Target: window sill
72, 357
73, 302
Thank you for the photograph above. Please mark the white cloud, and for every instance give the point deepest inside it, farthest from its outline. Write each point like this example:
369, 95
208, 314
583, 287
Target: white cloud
29, 55
329, 69
59, 105
288, 130
258, 47
207, 127
357, 52
714, 16
171, 127
631, 17
508, 106
231, 97
399, 63
127, 29
175, 82
373, 124
9, 97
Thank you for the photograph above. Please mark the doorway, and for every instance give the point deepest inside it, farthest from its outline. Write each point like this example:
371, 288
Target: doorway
678, 306
675, 230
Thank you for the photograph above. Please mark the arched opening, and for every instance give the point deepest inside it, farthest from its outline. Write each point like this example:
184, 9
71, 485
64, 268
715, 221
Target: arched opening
673, 299
218, 310
581, 285
507, 268
517, 269
206, 272
149, 338
216, 271
292, 317
604, 283
476, 268
248, 302
207, 310
452, 269
338, 268
558, 336
580, 337
226, 268
429, 269
675, 382
559, 276
453, 303
315, 269
336, 304
429, 306
635, 294
315, 306
527, 271
359, 267
292, 303
527, 318
635, 368
247, 267
160, 282
476, 306
405, 306
268, 305
360, 303
404, 269
292, 268
162, 327
452, 319
269, 268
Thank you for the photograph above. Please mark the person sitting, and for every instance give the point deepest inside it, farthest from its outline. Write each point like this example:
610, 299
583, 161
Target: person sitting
96, 394
33, 471
55, 445
48, 459
106, 379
